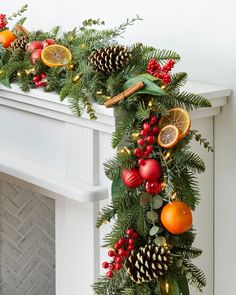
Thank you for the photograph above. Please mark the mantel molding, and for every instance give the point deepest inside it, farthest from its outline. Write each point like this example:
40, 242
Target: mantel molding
48, 104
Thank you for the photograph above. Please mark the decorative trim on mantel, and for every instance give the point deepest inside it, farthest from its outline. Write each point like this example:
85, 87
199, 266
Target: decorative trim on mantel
48, 104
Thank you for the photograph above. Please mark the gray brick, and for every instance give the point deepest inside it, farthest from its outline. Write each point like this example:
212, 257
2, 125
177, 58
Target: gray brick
28, 207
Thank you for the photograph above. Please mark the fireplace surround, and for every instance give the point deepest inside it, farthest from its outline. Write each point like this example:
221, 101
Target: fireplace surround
47, 151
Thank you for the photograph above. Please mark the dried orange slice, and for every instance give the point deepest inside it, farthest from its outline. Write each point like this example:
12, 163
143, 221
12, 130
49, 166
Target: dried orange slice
168, 136
56, 56
179, 118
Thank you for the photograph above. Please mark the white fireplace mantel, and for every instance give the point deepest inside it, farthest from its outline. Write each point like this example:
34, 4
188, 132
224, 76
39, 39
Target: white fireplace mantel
46, 148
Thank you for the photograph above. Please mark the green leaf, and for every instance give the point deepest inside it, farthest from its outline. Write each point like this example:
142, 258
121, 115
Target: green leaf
183, 285
171, 289
154, 230
160, 241
157, 202
149, 86
5, 82
145, 199
149, 77
153, 216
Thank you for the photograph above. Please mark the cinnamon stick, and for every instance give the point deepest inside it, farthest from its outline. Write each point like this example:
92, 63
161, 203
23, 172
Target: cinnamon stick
121, 96
20, 29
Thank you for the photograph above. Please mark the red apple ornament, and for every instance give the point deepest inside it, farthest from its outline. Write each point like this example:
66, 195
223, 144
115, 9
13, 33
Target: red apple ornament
34, 46
47, 42
150, 170
35, 55
131, 178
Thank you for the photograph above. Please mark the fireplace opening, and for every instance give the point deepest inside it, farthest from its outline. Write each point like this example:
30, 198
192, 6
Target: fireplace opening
27, 241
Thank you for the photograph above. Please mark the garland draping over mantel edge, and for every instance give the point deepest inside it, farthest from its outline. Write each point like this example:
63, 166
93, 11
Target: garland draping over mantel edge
154, 184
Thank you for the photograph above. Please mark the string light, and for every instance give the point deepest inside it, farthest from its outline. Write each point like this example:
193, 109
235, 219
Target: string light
150, 103
19, 74
99, 92
135, 135
71, 66
167, 156
124, 150
173, 196
167, 286
163, 87
76, 78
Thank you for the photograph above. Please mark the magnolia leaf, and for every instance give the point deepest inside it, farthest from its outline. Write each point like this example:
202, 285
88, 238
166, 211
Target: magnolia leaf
149, 86
160, 241
149, 77
5, 82
154, 230
145, 199
157, 202
153, 216
183, 285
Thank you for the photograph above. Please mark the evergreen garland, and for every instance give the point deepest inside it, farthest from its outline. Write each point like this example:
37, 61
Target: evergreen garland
133, 209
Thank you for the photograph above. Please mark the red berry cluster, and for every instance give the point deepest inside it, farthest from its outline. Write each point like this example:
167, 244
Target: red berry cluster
147, 139
40, 80
3, 21
122, 251
156, 70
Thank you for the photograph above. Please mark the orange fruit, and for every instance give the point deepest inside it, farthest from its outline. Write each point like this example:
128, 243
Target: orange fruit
6, 37
176, 217
168, 136
179, 118
56, 56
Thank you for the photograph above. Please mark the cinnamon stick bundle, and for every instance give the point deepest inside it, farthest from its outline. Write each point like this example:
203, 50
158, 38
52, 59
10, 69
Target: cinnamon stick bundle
121, 96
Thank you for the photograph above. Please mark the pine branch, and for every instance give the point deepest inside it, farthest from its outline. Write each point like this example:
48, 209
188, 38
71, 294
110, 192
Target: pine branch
198, 277
177, 80
187, 252
123, 128
105, 215
190, 101
141, 223
143, 112
190, 160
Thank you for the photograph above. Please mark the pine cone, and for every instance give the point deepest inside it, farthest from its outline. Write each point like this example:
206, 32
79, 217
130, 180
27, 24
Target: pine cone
110, 59
20, 43
148, 263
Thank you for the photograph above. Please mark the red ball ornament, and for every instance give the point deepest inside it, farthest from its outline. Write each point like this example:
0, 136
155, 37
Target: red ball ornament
153, 187
131, 178
150, 170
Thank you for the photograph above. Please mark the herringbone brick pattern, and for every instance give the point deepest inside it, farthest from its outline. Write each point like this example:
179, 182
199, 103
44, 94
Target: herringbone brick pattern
27, 242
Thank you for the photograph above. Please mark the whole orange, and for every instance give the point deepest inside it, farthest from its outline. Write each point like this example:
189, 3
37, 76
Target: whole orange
176, 217
6, 37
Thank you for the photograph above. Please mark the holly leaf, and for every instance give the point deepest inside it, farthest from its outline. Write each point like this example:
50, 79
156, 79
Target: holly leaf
183, 285
149, 86
5, 82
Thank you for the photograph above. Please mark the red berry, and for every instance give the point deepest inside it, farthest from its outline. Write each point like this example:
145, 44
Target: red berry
122, 241
146, 126
43, 75
105, 264
131, 241
144, 132
126, 254
111, 266
131, 247
149, 148
109, 274
111, 253
140, 141
138, 152
155, 130
141, 161
130, 232
118, 259
118, 266
151, 139
146, 154
121, 252
153, 120
135, 235
117, 246
36, 78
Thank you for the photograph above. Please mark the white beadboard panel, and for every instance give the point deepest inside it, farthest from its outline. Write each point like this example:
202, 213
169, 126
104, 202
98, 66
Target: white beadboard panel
203, 217
36, 138
82, 153
77, 252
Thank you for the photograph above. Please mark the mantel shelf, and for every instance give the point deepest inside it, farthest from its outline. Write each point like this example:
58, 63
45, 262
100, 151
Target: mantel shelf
48, 180
48, 104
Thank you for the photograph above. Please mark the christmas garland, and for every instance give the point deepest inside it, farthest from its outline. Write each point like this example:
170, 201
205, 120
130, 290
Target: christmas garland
154, 185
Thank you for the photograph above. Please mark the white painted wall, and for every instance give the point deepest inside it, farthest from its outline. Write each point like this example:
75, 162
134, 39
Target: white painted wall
203, 32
